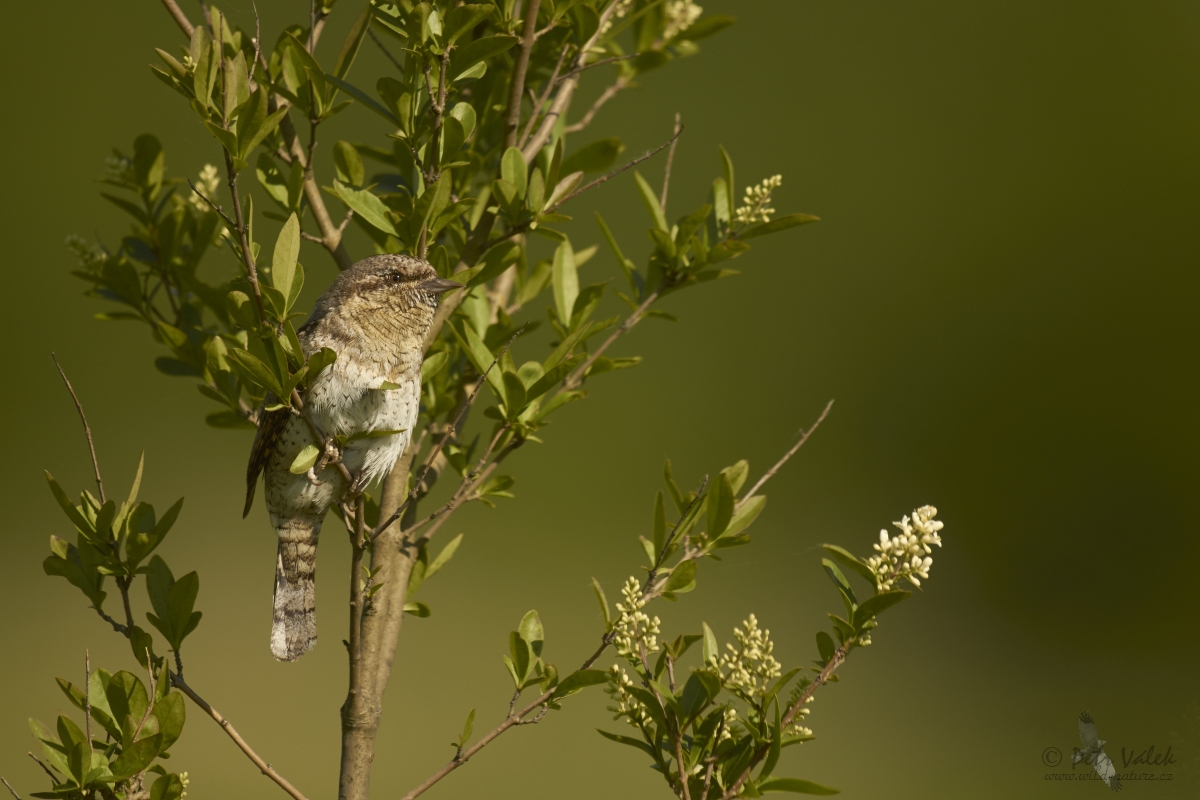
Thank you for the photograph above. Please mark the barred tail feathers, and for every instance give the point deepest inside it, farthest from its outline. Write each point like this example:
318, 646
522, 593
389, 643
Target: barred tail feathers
294, 623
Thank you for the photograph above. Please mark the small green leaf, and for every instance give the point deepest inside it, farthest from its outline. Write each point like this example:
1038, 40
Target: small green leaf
579, 680
850, 561
779, 224
602, 599
476, 52
720, 506
417, 609
795, 786
712, 651
283, 261
825, 646
305, 460
683, 578
514, 170
650, 198
367, 206
566, 281
629, 740
594, 157
876, 604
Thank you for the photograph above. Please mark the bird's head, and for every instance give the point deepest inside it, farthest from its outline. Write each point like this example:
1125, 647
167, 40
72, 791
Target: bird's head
394, 280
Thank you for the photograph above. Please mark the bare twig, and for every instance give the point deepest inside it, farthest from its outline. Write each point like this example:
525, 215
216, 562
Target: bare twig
771, 472
605, 96
87, 430
599, 63
212, 205
576, 377
539, 102
662, 202
628, 165
10, 789
516, 89
386, 52
87, 695
263, 766
437, 449
180, 18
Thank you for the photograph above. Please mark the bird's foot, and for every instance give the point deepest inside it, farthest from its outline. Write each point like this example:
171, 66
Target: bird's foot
312, 477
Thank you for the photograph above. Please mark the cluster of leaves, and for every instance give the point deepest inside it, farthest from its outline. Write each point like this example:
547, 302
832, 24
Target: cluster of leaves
138, 726
114, 540
710, 728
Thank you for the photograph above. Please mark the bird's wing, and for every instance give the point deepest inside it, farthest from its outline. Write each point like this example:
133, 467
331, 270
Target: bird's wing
270, 426
1107, 772
1087, 730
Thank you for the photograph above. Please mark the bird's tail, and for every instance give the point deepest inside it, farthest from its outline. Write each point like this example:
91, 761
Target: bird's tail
294, 627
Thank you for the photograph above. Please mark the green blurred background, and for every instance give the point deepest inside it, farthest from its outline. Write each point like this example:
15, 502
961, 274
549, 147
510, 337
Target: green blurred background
1001, 297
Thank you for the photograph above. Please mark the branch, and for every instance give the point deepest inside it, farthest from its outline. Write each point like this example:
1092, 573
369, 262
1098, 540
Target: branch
243, 238
86, 429
605, 96
629, 165
181, 19
516, 89
576, 378
263, 766
662, 202
600, 63
563, 99
539, 102
771, 472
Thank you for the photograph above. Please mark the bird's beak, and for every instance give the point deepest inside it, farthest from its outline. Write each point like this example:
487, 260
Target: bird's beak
439, 285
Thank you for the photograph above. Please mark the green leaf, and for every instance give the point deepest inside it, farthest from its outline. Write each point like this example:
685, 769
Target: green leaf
514, 395
727, 165
444, 556
305, 460
366, 205
365, 99
171, 713
252, 370
514, 170
531, 631
850, 561
417, 609
467, 728
629, 740
354, 40
794, 785
703, 28
825, 646
877, 604
579, 680
683, 578
283, 261
565, 280
479, 356
136, 757
478, 51
594, 157
433, 364
349, 164
650, 198
775, 225
712, 651
839, 580
68, 507
465, 114
744, 515
465, 18
167, 787
602, 599
558, 196
720, 506
660, 522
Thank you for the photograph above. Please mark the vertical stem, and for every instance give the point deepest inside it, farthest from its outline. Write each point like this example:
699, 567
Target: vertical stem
355, 783
243, 238
87, 695
516, 90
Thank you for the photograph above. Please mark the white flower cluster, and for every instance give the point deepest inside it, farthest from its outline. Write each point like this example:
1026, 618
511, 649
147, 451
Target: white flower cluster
622, 9
119, 168
729, 721
756, 206
207, 185
637, 633
183, 778
905, 555
625, 704
749, 668
680, 15
796, 729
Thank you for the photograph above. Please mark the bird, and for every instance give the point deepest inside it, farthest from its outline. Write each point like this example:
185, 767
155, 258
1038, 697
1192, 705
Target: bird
1093, 752
375, 316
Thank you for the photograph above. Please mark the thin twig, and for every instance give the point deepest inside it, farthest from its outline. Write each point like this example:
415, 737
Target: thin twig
437, 449
576, 377
386, 52
608, 176
10, 789
516, 90
605, 96
180, 18
600, 63
771, 472
212, 205
539, 102
87, 694
45, 768
87, 430
662, 202
263, 766
662, 556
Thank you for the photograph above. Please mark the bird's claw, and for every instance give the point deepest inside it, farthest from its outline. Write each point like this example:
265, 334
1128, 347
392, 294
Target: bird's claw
312, 477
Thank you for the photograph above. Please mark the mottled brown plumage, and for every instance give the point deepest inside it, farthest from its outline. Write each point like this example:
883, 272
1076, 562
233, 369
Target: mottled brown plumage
375, 316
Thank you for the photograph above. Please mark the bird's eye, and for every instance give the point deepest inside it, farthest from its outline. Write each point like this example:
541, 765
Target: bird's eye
395, 276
